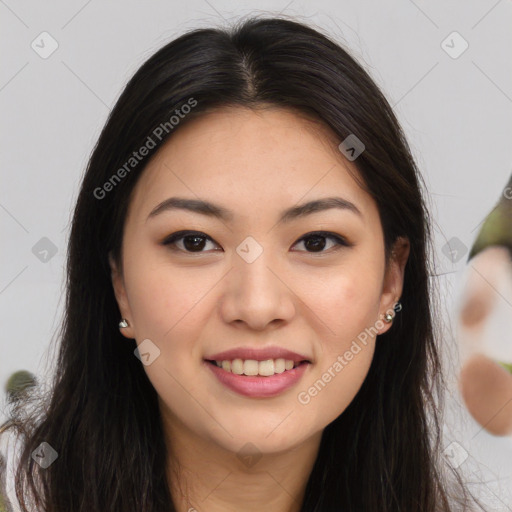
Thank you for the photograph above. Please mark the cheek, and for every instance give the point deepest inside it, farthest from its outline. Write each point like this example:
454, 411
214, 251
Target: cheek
347, 310
337, 378
164, 300
169, 308
344, 302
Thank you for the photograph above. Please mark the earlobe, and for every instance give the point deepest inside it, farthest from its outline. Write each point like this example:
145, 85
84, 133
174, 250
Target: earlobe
121, 298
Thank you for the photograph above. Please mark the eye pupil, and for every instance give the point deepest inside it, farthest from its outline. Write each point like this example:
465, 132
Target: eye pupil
315, 245
195, 244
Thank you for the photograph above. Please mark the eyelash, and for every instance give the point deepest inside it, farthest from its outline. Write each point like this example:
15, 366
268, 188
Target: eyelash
171, 240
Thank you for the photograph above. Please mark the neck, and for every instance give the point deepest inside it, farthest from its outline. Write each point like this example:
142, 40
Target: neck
204, 475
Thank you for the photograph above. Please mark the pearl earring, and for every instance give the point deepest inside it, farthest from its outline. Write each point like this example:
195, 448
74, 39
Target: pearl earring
123, 323
388, 317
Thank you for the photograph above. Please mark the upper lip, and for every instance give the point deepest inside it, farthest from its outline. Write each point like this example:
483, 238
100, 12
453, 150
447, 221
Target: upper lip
258, 354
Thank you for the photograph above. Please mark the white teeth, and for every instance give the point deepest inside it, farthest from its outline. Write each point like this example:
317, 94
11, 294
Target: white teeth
252, 367
265, 368
237, 366
279, 365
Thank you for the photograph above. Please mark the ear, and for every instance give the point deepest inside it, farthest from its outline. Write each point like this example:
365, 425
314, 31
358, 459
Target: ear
393, 279
121, 298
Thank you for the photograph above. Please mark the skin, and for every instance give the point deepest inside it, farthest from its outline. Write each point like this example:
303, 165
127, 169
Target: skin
190, 304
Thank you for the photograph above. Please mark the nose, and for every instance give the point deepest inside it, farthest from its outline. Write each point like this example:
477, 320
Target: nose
257, 294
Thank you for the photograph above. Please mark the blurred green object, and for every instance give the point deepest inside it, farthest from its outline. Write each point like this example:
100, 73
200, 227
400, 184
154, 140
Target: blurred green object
507, 366
3, 506
497, 227
18, 383
16, 387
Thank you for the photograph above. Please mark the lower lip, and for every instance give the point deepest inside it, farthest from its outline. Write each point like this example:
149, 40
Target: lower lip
259, 387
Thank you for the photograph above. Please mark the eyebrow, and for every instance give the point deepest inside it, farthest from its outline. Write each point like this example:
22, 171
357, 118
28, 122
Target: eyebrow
219, 212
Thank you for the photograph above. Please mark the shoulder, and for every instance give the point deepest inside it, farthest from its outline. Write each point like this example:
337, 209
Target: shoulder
9, 450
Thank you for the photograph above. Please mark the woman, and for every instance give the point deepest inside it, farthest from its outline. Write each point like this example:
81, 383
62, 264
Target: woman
248, 321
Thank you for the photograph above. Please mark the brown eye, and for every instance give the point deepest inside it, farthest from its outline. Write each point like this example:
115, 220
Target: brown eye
316, 241
192, 241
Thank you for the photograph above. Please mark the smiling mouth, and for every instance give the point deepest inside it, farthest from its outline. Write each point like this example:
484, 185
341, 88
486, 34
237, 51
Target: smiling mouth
254, 368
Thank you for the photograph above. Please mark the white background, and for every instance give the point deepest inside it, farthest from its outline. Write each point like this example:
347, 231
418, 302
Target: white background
455, 112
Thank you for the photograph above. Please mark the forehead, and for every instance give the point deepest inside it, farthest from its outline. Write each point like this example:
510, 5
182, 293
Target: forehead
248, 160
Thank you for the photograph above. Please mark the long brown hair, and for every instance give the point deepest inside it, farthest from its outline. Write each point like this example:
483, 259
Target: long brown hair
383, 453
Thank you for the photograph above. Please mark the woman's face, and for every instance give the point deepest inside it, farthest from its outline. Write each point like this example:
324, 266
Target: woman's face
249, 280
